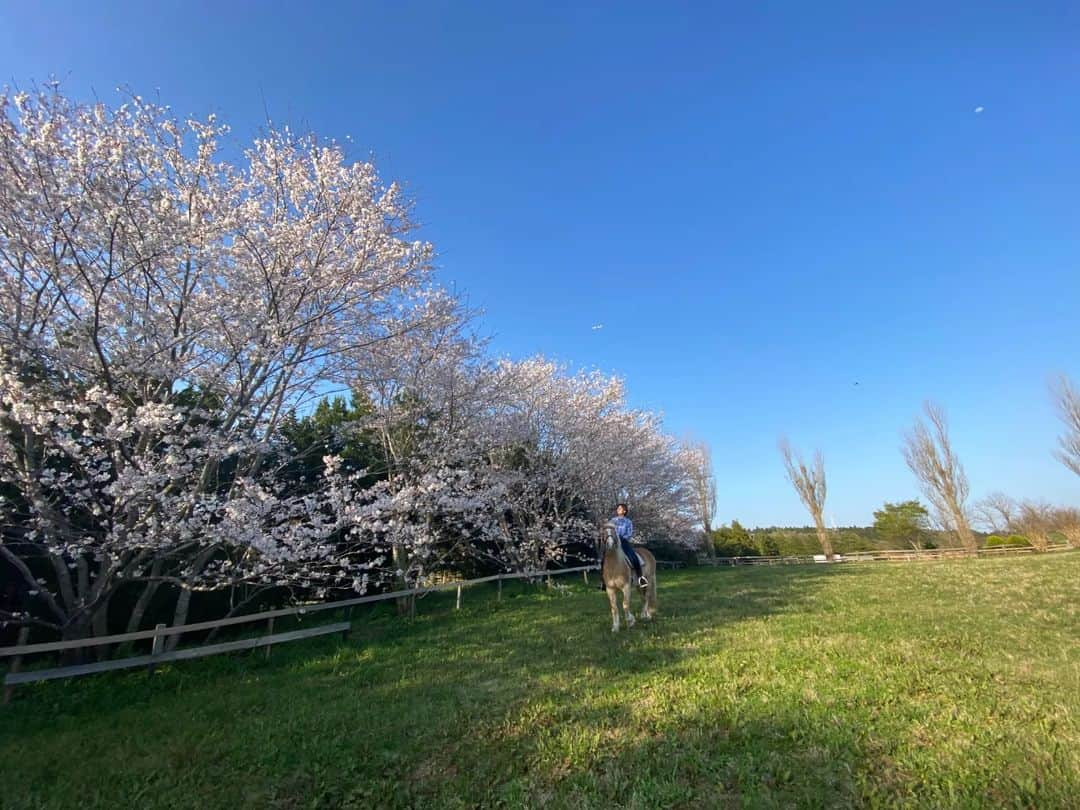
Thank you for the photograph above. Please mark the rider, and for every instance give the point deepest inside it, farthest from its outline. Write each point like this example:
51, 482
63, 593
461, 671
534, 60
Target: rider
624, 529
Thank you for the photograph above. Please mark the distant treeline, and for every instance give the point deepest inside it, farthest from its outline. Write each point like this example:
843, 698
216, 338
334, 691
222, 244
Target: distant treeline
736, 540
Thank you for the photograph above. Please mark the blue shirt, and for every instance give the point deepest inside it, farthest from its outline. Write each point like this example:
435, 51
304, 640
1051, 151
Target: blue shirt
623, 527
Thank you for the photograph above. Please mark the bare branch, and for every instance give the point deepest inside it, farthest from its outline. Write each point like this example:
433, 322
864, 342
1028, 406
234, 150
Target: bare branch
1067, 400
699, 463
997, 513
929, 454
809, 483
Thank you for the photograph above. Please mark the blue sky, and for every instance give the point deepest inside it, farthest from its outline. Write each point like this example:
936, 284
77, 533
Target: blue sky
762, 206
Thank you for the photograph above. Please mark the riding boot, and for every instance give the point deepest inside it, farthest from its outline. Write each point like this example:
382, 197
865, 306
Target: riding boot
641, 581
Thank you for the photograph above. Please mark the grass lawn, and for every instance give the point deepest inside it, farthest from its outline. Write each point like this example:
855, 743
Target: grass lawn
952, 684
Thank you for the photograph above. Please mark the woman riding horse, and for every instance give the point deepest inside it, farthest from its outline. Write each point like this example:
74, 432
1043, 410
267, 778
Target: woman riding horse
616, 574
624, 528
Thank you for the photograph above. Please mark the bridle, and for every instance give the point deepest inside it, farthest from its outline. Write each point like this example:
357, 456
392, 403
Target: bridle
609, 536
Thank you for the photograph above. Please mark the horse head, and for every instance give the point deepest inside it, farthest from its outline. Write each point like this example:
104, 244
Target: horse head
608, 536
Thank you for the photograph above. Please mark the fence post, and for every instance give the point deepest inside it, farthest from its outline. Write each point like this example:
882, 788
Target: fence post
155, 648
499, 597
457, 605
16, 665
585, 576
269, 632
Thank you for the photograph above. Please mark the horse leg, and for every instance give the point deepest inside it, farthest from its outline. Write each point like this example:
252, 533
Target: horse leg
648, 596
614, 609
626, 605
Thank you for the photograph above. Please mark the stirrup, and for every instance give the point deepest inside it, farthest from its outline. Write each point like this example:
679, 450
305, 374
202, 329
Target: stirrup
642, 582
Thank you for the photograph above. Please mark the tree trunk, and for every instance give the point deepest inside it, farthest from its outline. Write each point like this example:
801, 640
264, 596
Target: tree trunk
963, 532
1072, 535
183, 601
1040, 540
63, 583
141, 605
823, 538
100, 625
77, 630
707, 543
95, 593
145, 598
405, 604
83, 569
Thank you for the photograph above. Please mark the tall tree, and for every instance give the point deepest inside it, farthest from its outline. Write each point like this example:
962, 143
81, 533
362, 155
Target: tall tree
161, 312
1036, 521
1067, 399
703, 486
929, 454
809, 483
1067, 522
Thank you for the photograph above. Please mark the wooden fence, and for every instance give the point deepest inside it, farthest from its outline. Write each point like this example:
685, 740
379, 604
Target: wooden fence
894, 555
16, 676
670, 564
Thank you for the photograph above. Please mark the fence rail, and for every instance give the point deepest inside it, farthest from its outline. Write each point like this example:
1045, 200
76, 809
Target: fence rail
887, 555
670, 564
299, 610
155, 658
21, 649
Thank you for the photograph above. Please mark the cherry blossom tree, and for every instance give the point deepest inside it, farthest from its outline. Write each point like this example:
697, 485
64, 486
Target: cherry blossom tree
578, 427
161, 310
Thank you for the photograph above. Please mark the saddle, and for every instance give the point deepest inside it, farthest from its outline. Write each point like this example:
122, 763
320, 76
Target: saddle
631, 555
629, 550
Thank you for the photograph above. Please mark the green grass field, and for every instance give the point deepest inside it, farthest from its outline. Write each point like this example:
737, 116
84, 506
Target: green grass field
929, 684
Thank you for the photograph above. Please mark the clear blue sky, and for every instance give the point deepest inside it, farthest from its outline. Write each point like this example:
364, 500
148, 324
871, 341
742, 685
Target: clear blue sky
762, 206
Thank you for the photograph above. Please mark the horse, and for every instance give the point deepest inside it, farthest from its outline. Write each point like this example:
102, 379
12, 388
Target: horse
618, 575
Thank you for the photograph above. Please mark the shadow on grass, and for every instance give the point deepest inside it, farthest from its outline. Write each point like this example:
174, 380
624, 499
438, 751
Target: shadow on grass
521, 702
471, 669
694, 762
546, 631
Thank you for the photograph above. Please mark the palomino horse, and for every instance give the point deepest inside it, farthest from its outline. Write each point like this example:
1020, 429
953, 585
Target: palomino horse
618, 576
